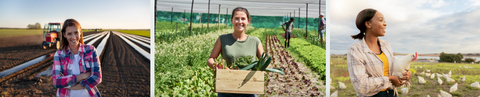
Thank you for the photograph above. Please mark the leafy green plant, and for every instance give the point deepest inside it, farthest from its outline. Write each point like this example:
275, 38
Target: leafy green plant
180, 66
243, 61
314, 55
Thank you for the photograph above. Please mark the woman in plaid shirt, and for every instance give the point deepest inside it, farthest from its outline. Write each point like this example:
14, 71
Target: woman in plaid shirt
370, 60
76, 67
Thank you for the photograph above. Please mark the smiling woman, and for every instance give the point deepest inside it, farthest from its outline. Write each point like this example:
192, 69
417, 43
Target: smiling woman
370, 60
236, 44
76, 67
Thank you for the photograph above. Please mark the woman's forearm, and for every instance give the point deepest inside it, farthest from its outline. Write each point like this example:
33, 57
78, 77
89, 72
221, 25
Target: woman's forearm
210, 62
96, 74
77, 87
83, 76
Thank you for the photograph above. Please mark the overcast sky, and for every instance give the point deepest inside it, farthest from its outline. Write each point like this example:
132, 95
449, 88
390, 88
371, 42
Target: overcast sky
423, 26
107, 14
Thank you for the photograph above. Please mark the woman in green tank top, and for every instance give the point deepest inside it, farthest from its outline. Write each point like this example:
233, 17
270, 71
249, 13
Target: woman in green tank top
236, 44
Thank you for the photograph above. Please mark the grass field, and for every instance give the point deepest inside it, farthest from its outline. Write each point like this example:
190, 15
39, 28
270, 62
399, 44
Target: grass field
25, 32
145, 33
339, 72
19, 32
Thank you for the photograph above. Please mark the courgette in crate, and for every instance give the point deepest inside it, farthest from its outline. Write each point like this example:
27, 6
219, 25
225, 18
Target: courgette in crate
262, 64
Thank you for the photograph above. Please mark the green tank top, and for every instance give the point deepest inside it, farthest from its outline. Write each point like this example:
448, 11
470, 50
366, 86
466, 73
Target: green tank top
233, 49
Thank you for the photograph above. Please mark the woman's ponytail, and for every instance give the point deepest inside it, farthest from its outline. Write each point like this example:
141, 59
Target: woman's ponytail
362, 17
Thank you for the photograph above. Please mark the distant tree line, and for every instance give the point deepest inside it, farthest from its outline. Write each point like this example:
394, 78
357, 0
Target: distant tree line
454, 58
450, 57
469, 60
478, 54
34, 26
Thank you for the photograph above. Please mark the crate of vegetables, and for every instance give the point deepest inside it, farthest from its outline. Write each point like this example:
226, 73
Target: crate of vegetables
245, 76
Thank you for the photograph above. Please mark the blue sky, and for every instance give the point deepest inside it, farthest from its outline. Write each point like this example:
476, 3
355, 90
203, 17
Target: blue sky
423, 26
106, 14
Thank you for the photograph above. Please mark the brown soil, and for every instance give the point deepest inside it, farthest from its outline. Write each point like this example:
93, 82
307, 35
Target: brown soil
298, 79
26, 84
124, 73
17, 50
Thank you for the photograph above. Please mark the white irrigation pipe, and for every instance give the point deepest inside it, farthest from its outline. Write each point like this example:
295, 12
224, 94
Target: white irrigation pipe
46, 73
89, 35
140, 50
94, 40
141, 37
136, 40
86, 39
22, 66
147, 40
102, 44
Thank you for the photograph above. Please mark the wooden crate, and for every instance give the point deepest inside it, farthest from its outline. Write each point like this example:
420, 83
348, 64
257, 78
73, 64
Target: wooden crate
239, 81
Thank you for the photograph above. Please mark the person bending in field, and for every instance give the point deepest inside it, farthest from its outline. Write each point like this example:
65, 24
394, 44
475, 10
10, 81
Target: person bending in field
288, 31
76, 67
236, 44
370, 60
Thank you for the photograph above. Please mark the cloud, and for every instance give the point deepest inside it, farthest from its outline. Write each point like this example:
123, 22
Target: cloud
439, 3
413, 27
475, 2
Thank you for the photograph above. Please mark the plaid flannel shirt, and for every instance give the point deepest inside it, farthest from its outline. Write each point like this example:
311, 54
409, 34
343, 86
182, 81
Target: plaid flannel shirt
366, 69
62, 74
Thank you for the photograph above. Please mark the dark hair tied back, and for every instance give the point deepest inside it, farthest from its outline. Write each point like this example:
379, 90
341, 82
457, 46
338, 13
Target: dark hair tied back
362, 17
241, 9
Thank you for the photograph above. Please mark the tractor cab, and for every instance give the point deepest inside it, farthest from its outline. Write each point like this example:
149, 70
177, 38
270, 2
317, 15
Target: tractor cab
52, 34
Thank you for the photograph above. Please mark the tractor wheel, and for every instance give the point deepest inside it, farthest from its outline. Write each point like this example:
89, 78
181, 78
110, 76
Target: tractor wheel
43, 45
57, 45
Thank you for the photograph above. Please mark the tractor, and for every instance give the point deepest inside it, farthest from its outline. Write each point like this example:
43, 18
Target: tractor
52, 35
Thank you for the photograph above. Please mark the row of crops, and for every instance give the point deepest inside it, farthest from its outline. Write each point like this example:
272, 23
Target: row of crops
314, 55
180, 66
180, 60
307, 50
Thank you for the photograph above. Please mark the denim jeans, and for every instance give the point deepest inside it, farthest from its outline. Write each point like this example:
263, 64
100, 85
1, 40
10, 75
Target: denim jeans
386, 93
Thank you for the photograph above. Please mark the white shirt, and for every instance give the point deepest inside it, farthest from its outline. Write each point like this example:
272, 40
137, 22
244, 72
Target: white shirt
76, 71
75, 66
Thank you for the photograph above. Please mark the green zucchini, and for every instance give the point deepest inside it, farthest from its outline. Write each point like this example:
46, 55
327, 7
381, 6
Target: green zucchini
250, 66
276, 70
